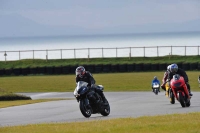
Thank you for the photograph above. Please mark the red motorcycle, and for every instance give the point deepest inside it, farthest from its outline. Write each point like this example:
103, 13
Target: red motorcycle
180, 90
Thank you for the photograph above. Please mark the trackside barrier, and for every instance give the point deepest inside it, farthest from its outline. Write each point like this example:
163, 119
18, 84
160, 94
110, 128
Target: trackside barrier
88, 53
130, 67
100, 68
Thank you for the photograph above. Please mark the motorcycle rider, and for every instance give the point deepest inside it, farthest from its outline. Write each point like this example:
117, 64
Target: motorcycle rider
86, 76
173, 69
165, 78
155, 80
199, 80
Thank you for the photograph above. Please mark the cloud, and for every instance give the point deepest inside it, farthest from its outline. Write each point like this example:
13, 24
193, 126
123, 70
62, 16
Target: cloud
133, 14
104, 16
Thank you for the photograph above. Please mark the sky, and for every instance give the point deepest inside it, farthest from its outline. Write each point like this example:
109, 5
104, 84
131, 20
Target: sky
87, 17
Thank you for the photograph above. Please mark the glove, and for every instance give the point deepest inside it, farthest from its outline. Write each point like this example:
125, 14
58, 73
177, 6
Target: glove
77, 99
92, 85
163, 87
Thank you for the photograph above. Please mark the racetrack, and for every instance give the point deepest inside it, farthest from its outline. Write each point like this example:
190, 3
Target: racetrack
123, 104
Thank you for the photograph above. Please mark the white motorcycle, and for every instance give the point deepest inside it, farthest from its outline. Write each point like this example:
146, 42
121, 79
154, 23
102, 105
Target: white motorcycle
156, 88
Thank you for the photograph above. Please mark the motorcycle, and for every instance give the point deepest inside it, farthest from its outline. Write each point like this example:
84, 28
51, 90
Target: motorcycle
169, 92
180, 90
90, 102
155, 87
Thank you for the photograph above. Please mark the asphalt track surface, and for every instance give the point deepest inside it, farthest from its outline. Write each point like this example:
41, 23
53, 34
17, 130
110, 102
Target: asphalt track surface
123, 104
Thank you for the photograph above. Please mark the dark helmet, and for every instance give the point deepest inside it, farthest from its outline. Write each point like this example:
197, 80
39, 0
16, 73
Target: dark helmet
80, 71
173, 68
176, 77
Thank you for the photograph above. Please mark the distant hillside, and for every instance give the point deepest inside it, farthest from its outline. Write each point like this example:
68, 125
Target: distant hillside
16, 25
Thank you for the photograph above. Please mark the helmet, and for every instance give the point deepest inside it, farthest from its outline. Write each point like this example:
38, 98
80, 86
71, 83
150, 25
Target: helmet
168, 67
155, 77
80, 71
176, 77
173, 68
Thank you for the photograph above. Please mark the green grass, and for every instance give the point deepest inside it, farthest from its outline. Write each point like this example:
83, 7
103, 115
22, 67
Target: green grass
175, 123
133, 81
63, 62
9, 96
4, 104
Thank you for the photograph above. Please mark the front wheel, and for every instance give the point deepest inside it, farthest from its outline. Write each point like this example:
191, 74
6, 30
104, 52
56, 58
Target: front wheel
84, 110
188, 103
181, 99
156, 91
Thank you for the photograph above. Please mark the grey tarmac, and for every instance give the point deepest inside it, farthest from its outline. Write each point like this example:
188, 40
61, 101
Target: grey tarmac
122, 104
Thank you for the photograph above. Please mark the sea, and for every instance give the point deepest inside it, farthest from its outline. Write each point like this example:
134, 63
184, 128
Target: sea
100, 46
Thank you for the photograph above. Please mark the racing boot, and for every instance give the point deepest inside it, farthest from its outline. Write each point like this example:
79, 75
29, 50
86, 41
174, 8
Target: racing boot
167, 93
188, 87
190, 92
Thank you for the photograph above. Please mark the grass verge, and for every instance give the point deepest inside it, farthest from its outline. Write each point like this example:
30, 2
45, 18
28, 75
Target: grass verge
123, 60
175, 123
8, 99
133, 81
9, 96
4, 104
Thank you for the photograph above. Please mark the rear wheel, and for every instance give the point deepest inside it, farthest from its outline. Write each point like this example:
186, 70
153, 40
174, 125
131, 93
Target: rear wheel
181, 99
172, 99
105, 109
85, 111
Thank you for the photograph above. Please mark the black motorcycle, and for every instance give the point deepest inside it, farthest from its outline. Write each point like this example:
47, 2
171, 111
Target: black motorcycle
90, 102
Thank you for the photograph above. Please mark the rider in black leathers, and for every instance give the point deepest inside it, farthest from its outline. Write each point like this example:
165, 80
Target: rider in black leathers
173, 69
86, 76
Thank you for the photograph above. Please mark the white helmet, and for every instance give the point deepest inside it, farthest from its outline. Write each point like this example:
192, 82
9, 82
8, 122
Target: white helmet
168, 67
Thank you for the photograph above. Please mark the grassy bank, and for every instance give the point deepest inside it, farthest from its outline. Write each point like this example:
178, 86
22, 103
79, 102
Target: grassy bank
176, 123
5, 95
4, 104
62, 62
132, 81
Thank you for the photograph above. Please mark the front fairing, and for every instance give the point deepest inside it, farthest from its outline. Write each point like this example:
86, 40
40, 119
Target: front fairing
177, 84
81, 88
155, 85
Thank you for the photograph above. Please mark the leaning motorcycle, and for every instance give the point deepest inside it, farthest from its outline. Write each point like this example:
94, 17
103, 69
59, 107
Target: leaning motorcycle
90, 102
169, 93
180, 90
155, 87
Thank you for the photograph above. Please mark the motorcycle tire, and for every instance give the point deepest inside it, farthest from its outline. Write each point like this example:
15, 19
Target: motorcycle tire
86, 112
156, 91
106, 109
188, 104
172, 98
181, 99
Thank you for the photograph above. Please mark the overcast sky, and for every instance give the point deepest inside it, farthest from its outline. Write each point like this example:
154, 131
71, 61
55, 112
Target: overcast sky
102, 16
